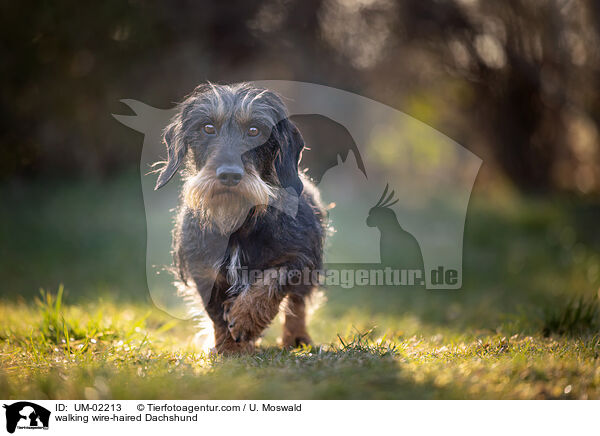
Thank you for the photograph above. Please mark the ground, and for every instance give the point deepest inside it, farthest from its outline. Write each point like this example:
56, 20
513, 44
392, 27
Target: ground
525, 324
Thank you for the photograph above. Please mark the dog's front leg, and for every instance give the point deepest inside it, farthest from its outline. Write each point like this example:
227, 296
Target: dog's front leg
294, 327
224, 342
251, 312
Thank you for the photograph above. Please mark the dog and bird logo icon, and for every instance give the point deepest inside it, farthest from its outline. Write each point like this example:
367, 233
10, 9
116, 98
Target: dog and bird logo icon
26, 415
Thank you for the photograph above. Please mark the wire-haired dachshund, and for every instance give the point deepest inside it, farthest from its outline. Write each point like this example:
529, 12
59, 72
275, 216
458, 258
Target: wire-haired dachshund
245, 208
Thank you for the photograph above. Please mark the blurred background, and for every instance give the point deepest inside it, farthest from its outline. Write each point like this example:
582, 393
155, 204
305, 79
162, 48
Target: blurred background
516, 82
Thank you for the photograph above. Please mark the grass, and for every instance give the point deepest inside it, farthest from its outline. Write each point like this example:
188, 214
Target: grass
108, 350
579, 316
525, 324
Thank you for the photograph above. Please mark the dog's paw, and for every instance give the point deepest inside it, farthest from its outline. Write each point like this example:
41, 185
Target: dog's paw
231, 348
297, 340
241, 325
244, 321
249, 313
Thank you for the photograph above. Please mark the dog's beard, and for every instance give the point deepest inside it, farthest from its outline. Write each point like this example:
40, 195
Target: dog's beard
221, 208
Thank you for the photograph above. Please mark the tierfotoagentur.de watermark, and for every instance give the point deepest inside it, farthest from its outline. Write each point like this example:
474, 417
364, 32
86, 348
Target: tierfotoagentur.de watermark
346, 278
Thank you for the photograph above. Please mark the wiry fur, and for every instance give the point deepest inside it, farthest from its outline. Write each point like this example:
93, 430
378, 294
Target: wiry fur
224, 211
221, 229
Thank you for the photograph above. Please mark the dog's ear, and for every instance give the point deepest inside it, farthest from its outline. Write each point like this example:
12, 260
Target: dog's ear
291, 145
176, 149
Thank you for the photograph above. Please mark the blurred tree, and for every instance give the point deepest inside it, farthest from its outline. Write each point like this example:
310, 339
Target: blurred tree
528, 65
524, 74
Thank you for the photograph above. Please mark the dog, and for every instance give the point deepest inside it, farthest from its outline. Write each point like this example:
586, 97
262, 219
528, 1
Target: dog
245, 206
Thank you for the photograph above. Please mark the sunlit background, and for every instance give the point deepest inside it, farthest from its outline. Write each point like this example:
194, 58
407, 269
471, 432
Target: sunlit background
516, 82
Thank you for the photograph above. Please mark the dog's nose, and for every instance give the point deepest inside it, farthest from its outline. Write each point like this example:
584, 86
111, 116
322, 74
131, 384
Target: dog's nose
230, 175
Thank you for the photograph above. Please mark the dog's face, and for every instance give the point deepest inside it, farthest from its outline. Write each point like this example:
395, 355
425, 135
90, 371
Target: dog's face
239, 148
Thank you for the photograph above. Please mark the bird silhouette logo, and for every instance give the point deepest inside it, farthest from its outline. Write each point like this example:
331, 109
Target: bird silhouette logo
398, 248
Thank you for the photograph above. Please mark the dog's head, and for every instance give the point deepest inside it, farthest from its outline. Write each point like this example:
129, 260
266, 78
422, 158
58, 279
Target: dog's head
239, 148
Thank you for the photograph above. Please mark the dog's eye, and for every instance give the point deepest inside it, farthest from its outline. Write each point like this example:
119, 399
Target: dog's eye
253, 131
210, 129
